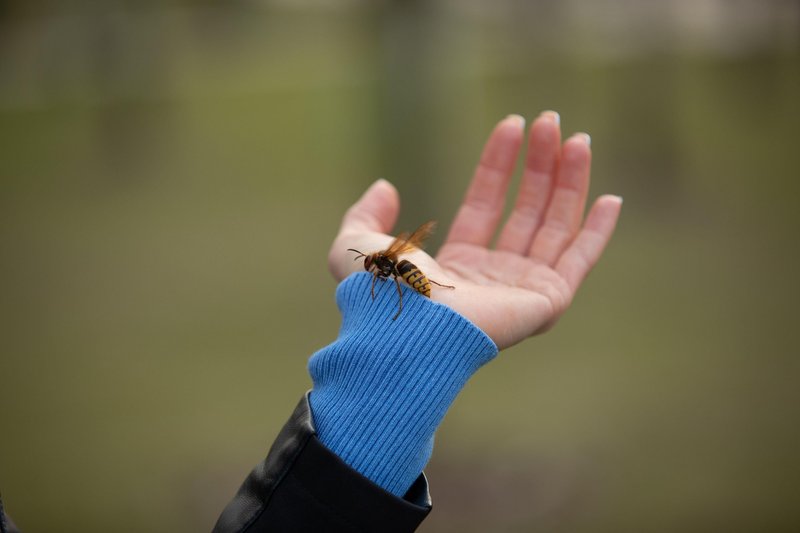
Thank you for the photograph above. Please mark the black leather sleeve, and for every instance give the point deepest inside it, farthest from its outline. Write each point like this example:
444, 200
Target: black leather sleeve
6, 525
303, 486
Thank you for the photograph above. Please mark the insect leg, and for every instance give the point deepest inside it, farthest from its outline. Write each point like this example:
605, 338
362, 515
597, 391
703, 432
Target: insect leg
372, 290
441, 285
400, 294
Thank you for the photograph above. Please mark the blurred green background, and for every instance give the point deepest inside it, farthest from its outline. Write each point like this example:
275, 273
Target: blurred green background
171, 176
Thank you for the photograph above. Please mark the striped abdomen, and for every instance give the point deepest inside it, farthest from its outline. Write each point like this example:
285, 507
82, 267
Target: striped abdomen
414, 277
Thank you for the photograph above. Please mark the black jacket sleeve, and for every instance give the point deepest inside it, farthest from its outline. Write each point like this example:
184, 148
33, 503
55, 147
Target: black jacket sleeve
6, 525
303, 486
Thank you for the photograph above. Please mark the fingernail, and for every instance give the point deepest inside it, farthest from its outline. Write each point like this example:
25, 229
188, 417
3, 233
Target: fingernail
618, 197
553, 115
377, 184
586, 138
518, 119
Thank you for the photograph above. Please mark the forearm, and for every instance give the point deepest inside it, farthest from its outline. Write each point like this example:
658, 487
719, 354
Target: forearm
383, 387
379, 392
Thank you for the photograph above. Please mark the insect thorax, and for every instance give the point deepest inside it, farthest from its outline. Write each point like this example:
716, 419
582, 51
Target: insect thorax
383, 264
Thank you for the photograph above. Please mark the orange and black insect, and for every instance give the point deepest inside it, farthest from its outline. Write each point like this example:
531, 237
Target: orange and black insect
385, 263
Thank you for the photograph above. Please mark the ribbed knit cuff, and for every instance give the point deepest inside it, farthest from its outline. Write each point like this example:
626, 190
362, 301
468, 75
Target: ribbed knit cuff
383, 387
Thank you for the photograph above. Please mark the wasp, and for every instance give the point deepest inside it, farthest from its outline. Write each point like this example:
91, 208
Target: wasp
385, 263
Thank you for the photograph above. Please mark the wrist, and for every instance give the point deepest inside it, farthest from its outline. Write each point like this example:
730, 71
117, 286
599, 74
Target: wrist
382, 388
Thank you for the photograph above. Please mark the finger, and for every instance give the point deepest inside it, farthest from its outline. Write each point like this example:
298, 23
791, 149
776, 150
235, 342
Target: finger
541, 164
479, 214
376, 210
588, 246
567, 203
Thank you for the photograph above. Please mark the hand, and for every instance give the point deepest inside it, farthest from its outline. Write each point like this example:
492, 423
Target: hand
522, 286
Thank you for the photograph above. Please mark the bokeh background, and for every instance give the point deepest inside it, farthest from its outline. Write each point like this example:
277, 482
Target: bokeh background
171, 176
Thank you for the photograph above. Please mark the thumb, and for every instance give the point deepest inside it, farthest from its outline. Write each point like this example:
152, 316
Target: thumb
376, 210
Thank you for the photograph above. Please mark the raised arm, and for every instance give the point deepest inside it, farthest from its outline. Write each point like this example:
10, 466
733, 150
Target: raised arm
351, 456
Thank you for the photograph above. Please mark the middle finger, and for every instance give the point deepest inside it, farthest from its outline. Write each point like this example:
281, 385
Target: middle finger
541, 164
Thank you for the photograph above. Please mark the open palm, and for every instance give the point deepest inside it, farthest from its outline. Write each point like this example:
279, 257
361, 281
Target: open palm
544, 251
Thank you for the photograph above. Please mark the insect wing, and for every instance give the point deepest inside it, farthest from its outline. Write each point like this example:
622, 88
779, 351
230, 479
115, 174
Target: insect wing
399, 245
405, 242
421, 234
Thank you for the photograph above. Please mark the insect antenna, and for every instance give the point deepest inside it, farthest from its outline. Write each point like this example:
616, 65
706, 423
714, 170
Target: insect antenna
360, 254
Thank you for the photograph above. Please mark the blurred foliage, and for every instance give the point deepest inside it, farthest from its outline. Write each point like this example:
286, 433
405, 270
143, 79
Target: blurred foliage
172, 175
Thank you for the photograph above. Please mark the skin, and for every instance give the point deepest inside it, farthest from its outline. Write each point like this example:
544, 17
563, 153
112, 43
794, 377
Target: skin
544, 249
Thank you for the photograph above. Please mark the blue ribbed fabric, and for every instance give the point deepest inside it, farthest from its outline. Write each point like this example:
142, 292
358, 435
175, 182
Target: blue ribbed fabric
383, 387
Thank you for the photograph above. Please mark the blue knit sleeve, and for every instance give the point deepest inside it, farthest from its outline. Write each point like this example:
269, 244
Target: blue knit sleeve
382, 388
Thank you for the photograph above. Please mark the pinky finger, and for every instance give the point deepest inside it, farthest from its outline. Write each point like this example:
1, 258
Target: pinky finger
584, 252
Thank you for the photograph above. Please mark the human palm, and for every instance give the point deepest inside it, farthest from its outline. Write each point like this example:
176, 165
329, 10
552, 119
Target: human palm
544, 250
